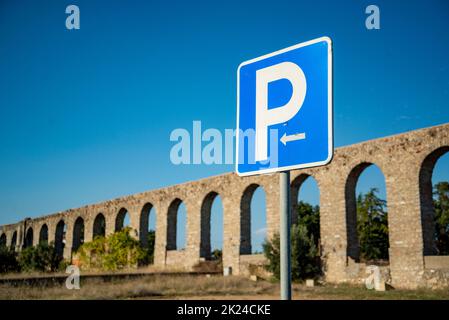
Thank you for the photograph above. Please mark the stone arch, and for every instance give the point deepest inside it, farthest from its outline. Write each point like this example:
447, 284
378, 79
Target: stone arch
144, 223
120, 219
3, 240
43, 234
60, 235
28, 238
14, 241
426, 199
172, 222
206, 213
78, 233
99, 227
295, 187
353, 246
245, 218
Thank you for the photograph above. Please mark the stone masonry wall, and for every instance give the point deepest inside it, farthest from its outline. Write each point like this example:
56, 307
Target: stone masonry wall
406, 160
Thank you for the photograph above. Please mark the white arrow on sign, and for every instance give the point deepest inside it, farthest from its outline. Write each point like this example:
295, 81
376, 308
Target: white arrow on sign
297, 136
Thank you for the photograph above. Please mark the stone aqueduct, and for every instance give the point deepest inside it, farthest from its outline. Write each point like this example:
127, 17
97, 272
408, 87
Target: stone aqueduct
406, 160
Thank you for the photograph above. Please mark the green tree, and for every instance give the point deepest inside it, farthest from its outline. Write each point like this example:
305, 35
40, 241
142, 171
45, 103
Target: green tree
42, 257
271, 250
305, 254
116, 251
149, 256
8, 260
217, 255
309, 216
372, 226
304, 242
441, 203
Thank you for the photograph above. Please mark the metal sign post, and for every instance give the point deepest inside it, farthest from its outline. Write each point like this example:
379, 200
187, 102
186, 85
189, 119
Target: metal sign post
284, 192
288, 93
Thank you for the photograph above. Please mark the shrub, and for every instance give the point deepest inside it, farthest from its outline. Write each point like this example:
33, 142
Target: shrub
304, 246
217, 255
271, 249
42, 257
149, 259
117, 251
306, 259
62, 267
8, 260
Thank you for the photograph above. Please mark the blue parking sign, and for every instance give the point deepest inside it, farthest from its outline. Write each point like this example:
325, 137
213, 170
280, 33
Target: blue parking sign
284, 109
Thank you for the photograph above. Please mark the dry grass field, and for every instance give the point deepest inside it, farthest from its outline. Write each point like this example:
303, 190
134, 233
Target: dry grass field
201, 287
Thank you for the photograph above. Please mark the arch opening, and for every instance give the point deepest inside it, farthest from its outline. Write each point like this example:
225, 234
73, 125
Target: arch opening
78, 234
60, 237
176, 225
14, 241
147, 225
434, 201
99, 228
211, 244
305, 216
3, 240
367, 215
304, 190
253, 224
122, 220
28, 238
147, 230
43, 235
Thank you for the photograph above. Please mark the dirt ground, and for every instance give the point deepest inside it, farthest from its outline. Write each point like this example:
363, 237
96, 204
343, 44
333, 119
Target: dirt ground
201, 287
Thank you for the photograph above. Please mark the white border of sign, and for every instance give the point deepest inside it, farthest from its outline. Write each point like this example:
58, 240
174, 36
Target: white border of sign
329, 103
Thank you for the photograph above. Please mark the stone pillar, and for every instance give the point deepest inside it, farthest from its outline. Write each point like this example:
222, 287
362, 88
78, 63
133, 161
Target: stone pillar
134, 221
272, 204
231, 231
36, 231
160, 247
21, 236
193, 231
68, 241
333, 225
109, 217
405, 228
88, 229
51, 232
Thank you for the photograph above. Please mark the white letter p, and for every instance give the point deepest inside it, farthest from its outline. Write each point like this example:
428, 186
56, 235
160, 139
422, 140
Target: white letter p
266, 117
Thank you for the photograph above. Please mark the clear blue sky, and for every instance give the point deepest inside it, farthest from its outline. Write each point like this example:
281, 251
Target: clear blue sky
86, 115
